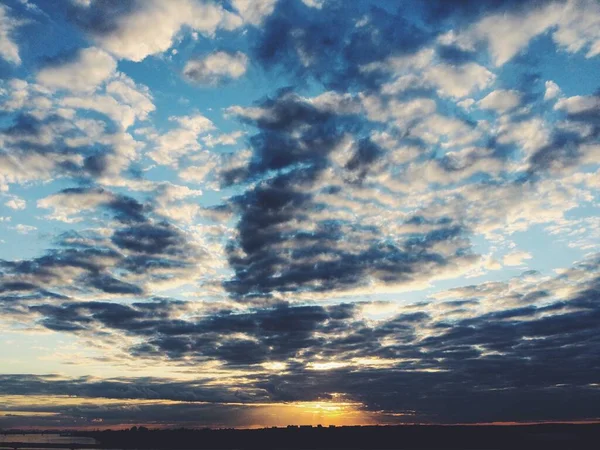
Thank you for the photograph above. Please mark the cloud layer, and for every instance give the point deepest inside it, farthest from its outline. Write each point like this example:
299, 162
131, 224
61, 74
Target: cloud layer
253, 208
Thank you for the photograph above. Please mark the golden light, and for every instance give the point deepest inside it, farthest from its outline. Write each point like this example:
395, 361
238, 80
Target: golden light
336, 410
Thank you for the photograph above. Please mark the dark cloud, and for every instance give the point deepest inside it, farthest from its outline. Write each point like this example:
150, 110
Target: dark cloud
134, 388
25, 135
102, 17
454, 55
273, 254
151, 239
496, 366
54, 267
327, 44
250, 338
567, 148
366, 154
111, 285
331, 44
90, 263
124, 208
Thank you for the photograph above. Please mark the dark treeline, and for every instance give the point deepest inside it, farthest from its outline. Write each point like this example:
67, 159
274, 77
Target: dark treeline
546, 436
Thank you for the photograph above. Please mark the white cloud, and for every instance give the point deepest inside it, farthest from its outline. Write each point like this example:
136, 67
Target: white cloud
575, 26
402, 113
198, 174
467, 103
552, 90
516, 258
402, 64
170, 202
120, 113
216, 67
507, 34
124, 101
15, 93
90, 68
318, 4
169, 193
458, 81
151, 27
197, 123
334, 102
254, 11
126, 91
419, 70
181, 140
66, 206
16, 203
208, 166
530, 134
500, 100
451, 130
223, 139
9, 50
84, 3
31, 7
579, 27
578, 104
20, 169
24, 229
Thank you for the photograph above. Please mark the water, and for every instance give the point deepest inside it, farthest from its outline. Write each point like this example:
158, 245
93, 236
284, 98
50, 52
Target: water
45, 439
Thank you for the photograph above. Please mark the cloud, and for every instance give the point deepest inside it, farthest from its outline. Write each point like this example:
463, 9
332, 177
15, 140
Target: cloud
531, 134
180, 141
578, 104
552, 90
420, 70
507, 34
120, 113
136, 29
136, 255
16, 203
574, 25
254, 12
83, 72
39, 149
49, 134
314, 3
493, 343
127, 92
155, 389
68, 204
458, 81
325, 45
9, 50
216, 68
24, 229
500, 101
516, 258
574, 142
316, 164
578, 28
223, 139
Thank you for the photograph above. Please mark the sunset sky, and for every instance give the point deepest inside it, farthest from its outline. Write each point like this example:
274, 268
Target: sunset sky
243, 213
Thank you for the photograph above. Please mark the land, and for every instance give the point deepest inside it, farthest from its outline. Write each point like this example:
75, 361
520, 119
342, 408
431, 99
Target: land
544, 436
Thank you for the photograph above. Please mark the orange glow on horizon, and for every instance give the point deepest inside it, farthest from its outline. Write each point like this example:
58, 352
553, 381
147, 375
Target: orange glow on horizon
337, 410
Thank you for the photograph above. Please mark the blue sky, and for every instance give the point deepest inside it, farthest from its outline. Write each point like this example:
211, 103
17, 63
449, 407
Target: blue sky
269, 206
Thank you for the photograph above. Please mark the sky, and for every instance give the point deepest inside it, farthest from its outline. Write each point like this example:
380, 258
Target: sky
246, 213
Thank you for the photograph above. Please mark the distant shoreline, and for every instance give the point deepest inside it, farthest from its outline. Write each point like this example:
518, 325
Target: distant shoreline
465, 437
